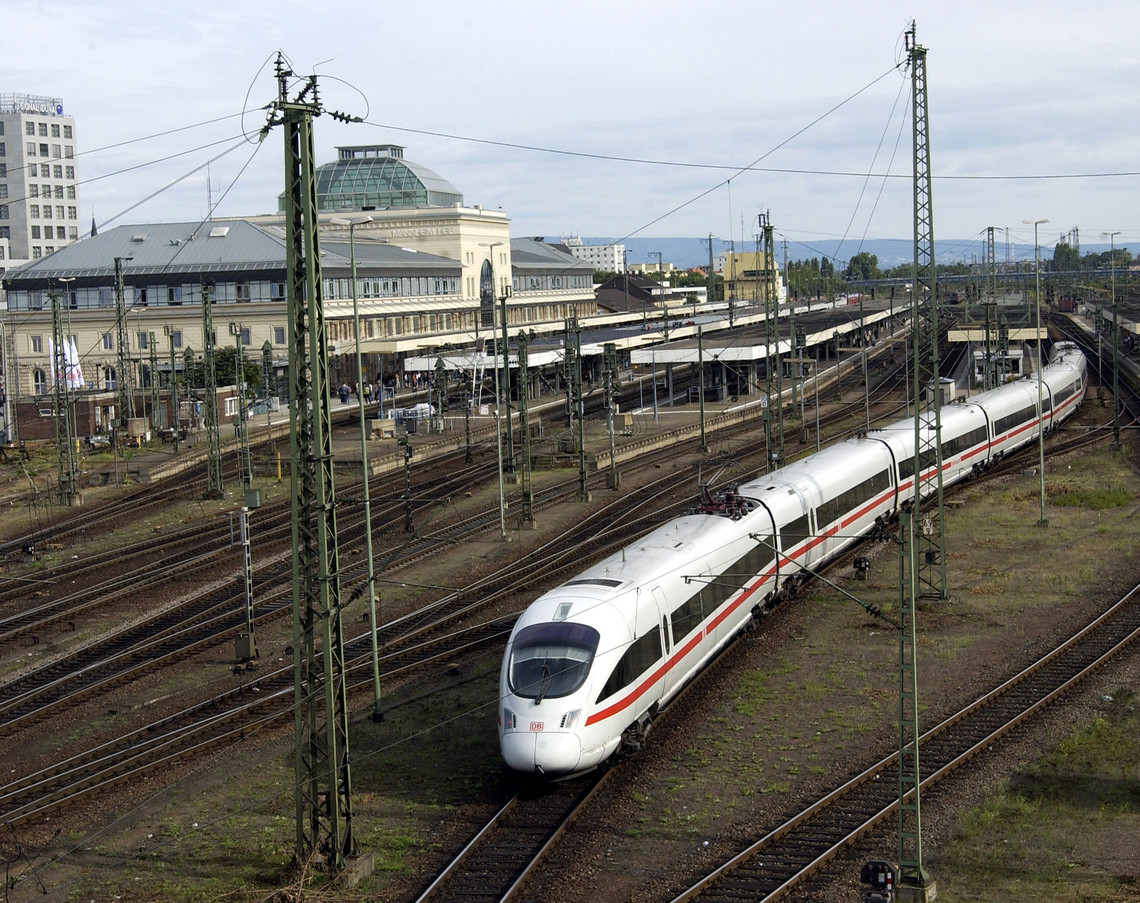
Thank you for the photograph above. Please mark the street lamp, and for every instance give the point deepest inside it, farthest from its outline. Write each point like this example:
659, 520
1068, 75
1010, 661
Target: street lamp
1040, 393
377, 713
1115, 347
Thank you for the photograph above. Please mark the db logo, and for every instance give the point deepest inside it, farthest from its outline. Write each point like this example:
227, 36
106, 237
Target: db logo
536, 725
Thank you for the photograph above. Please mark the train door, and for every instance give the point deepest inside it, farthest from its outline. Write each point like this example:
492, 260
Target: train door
650, 612
672, 675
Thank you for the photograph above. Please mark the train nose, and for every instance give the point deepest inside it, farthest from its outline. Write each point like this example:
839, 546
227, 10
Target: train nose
539, 752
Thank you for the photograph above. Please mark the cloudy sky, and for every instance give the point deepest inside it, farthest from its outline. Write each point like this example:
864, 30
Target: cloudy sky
615, 118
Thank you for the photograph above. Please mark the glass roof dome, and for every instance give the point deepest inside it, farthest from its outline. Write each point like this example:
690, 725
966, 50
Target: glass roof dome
377, 177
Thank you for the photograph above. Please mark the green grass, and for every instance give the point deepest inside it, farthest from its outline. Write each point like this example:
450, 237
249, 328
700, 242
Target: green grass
1064, 827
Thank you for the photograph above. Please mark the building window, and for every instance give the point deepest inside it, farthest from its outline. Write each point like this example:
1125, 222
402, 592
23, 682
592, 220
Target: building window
245, 335
45, 191
37, 252
70, 172
277, 291
140, 297
30, 129
3, 211
4, 192
69, 152
39, 382
67, 131
34, 210
73, 233
37, 344
58, 192
108, 342
56, 151
57, 171
59, 211
55, 129
49, 249
33, 191
174, 294
3, 170
45, 170
47, 211
142, 341
36, 232
241, 291
72, 212
177, 337
278, 335
60, 233
71, 192
43, 149
31, 148
43, 129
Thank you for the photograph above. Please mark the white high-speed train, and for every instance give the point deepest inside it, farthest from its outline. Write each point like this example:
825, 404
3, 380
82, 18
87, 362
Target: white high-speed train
589, 664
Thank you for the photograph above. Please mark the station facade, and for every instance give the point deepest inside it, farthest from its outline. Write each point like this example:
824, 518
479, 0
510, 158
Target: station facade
427, 277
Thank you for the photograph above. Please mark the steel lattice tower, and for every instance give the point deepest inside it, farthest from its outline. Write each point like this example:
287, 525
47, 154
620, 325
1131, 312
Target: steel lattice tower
921, 560
323, 789
524, 432
774, 433
123, 381
64, 426
214, 487
990, 302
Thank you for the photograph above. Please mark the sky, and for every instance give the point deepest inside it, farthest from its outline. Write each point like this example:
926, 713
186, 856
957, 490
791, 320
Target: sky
615, 118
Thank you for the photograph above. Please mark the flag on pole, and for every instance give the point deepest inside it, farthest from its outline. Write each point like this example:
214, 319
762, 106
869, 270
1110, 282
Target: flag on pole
74, 371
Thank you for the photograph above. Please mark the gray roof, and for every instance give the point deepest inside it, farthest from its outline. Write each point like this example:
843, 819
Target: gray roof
205, 249
538, 256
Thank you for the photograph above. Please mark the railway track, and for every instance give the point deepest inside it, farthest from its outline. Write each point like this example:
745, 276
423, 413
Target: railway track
501, 856
789, 854
406, 644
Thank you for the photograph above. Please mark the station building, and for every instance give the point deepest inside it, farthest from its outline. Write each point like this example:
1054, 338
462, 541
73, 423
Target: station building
431, 273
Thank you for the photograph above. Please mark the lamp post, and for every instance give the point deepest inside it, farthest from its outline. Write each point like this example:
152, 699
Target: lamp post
377, 713
1040, 387
1115, 347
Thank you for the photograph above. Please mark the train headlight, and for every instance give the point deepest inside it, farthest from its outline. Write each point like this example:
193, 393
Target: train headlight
510, 722
570, 719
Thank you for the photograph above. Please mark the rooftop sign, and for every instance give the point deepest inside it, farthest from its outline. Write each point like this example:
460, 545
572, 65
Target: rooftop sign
31, 103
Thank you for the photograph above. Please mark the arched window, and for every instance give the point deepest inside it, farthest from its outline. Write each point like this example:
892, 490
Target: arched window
39, 380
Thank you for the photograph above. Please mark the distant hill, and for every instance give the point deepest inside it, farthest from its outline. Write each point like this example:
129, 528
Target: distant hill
892, 252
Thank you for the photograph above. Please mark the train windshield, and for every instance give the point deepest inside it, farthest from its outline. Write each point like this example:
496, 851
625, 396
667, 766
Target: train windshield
551, 660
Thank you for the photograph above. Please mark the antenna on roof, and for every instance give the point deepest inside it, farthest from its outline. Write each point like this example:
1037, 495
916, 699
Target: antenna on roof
209, 195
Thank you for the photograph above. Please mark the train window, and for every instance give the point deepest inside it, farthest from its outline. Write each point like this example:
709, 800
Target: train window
687, 615
551, 660
850, 499
926, 459
966, 441
794, 532
638, 658
739, 574
1006, 423
596, 581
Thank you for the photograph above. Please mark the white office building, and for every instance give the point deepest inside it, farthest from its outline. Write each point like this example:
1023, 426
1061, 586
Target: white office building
39, 184
609, 258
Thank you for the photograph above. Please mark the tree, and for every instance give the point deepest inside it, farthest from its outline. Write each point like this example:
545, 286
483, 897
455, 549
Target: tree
862, 266
1066, 257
